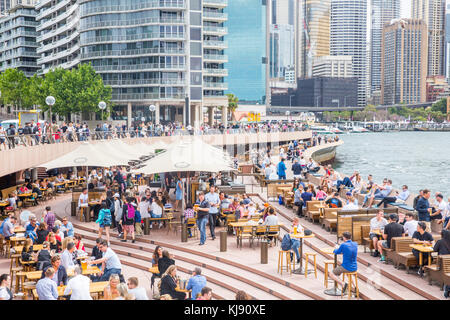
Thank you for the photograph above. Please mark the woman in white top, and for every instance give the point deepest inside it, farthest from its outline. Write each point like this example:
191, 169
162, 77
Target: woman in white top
5, 283
156, 210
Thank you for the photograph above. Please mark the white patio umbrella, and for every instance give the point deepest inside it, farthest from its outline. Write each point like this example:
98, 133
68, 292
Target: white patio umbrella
87, 155
187, 156
120, 151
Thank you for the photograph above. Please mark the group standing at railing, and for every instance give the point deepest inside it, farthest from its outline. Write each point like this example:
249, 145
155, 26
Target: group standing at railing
36, 133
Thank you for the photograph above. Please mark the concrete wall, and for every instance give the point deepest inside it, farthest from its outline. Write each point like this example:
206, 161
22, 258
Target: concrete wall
22, 157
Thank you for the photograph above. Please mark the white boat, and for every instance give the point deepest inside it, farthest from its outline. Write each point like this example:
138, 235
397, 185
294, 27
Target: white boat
326, 130
359, 130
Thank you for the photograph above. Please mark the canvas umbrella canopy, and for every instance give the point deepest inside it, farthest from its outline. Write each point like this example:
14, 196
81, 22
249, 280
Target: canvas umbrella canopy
187, 156
86, 154
134, 152
120, 152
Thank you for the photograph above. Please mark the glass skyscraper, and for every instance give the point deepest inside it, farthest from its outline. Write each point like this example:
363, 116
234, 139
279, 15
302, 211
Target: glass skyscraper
247, 49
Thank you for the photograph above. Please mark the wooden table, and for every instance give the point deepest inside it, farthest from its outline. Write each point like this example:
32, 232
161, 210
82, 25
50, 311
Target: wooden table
16, 240
301, 236
36, 247
88, 271
3, 205
333, 291
19, 229
423, 249
94, 288
183, 290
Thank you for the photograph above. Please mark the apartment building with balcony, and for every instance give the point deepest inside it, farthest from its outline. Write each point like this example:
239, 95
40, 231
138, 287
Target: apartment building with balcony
18, 38
167, 53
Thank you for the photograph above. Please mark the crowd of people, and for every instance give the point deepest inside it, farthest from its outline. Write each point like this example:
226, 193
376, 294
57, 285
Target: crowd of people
33, 133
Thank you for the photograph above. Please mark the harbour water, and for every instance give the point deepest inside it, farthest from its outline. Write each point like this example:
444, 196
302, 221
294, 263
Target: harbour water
417, 159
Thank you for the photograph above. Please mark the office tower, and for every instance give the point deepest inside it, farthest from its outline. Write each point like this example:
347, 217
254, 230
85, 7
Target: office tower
282, 51
383, 11
433, 14
404, 62
333, 67
447, 41
5, 5
18, 39
167, 53
348, 36
313, 33
247, 52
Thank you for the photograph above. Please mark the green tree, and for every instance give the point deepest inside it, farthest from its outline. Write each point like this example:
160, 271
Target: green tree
15, 89
232, 102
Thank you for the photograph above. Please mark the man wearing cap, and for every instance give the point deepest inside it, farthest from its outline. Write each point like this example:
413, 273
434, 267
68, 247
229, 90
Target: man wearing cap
352, 203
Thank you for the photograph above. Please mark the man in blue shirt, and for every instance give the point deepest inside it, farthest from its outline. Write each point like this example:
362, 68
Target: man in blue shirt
349, 249
281, 170
423, 206
214, 202
196, 283
67, 227
46, 288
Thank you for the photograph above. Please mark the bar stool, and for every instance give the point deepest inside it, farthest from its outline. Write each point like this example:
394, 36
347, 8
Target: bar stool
14, 260
314, 255
28, 288
289, 265
327, 262
15, 274
84, 214
7, 248
350, 275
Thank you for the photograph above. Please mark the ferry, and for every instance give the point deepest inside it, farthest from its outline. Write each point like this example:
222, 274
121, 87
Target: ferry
326, 130
358, 130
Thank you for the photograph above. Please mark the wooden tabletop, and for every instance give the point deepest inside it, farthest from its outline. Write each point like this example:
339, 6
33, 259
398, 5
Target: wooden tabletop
422, 248
19, 229
93, 203
88, 271
18, 239
245, 224
301, 235
94, 287
36, 247
25, 195
182, 290
4, 203
153, 270
328, 250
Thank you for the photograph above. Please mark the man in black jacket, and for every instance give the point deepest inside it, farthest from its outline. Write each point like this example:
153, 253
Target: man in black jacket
11, 132
60, 276
96, 252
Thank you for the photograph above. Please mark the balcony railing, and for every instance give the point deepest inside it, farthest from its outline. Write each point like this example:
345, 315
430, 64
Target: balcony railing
133, 7
117, 23
132, 52
145, 66
132, 37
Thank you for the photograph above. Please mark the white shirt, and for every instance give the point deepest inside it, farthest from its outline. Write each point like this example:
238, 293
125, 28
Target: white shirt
79, 285
66, 260
4, 293
443, 206
156, 209
271, 220
410, 227
83, 200
350, 206
143, 209
139, 293
375, 224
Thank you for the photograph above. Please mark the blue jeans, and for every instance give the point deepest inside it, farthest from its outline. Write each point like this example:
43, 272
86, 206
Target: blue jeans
201, 223
446, 221
295, 245
283, 177
108, 272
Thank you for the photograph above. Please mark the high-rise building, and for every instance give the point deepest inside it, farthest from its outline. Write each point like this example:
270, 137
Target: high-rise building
5, 5
333, 67
169, 53
282, 51
404, 62
447, 41
313, 34
383, 11
433, 14
247, 51
18, 39
348, 36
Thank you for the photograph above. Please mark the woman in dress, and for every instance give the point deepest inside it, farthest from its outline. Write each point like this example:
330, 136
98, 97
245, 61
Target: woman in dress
178, 193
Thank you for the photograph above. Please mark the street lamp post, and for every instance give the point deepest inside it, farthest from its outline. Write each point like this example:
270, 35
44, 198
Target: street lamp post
102, 106
50, 101
317, 101
152, 109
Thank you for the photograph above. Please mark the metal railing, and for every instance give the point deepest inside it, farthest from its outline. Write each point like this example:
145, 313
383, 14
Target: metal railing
26, 140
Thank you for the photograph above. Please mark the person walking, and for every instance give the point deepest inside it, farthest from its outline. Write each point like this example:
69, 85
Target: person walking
214, 201
202, 216
104, 221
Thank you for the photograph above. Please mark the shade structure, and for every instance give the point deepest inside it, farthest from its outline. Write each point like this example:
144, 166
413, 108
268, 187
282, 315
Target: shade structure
86, 154
120, 149
186, 156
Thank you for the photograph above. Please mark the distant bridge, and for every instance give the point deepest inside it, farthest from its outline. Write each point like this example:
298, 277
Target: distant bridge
298, 109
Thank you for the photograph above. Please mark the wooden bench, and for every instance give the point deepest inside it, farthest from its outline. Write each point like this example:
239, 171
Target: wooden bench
439, 271
272, 188
365, 240
312, 210
402, 253
329, 220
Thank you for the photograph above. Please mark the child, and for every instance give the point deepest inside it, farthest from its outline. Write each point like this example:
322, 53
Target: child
138, 224
251, 210
188, 214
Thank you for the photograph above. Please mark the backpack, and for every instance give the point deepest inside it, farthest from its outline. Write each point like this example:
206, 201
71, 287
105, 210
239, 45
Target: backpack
130, 211
286, 243
106, 217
